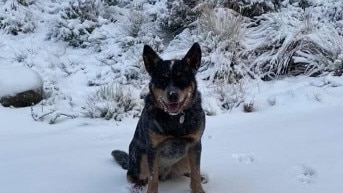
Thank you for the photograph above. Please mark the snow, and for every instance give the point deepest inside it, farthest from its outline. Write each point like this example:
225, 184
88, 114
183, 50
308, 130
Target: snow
293, 146
18, 79
270, 153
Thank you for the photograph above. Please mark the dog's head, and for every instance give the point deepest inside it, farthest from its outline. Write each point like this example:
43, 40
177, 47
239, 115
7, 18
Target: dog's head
173, 83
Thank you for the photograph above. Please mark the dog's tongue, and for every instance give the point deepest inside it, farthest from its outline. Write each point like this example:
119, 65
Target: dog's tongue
173, 107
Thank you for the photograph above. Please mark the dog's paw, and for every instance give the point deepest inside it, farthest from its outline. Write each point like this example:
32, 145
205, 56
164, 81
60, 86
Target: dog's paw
200, 191
137, 189
204, 178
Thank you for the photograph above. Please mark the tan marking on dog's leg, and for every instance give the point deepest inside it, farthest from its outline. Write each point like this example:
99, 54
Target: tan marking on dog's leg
142, 178
153, 177
144, 170
196, 186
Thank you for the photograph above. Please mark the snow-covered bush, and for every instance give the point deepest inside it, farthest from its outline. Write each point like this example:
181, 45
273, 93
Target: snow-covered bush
55, 106
26, 2
252, 8
111, 2
77, 22
222, 97
291, 42
124, 64
221, 33
112, 101
15, 17
330, 11
271, 44
133, 25
122, 52
130, 73
179, 15
230, 95
319, 52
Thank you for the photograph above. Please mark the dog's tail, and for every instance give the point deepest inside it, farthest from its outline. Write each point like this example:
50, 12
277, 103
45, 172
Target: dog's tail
122, 158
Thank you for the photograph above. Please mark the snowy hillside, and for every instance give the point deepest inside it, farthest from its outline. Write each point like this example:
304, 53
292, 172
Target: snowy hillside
89, 52
281, 61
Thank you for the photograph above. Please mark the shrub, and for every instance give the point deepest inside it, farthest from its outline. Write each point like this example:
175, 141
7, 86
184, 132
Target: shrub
248, 107
26, 2
15, 18
55, 106
330, 11
221, 32
291, 43
77, 22
179, 15
252, 8
133, 23
111, 102
111, 2
230, 95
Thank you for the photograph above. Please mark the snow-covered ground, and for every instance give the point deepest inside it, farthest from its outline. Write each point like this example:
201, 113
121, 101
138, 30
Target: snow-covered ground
292, 142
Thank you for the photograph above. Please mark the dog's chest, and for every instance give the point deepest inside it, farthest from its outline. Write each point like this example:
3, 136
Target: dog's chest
172, 150
174, 147
173, 137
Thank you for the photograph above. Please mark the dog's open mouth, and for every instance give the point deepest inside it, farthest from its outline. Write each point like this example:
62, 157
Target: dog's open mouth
174, 108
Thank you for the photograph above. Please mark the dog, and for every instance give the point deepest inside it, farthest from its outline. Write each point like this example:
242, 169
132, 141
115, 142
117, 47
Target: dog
167, 139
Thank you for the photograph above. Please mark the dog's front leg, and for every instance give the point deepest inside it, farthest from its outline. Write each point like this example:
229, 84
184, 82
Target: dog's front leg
152, 157
194, 154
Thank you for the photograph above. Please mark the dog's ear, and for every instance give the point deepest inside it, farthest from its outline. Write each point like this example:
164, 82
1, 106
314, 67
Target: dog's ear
193, 57
150, 58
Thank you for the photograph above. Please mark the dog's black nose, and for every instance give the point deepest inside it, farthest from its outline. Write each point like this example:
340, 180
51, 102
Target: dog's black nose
173, 96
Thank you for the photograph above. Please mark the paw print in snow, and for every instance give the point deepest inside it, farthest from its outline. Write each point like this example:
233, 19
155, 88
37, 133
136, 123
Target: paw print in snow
306, 174
244, 158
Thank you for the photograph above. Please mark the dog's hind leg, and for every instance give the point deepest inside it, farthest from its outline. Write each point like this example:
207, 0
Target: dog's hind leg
137, 170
